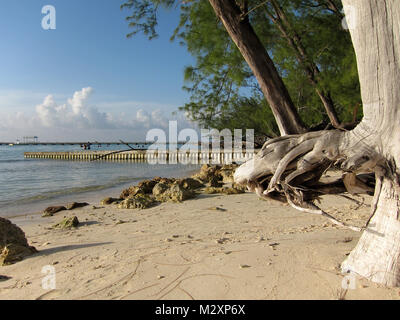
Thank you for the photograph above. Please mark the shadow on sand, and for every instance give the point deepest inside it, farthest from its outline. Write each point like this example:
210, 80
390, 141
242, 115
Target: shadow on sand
49, 251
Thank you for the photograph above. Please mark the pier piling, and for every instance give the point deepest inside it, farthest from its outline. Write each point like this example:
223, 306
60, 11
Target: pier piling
145, 156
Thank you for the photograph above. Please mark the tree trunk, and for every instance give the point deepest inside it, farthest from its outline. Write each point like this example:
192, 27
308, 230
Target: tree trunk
311, 69
272, 86
377, 254
291, 165
329, 107
377, 46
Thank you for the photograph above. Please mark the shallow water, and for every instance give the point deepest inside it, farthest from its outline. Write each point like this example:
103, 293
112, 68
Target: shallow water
26, 185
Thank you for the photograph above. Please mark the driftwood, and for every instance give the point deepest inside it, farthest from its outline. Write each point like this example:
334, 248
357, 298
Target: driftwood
290, 168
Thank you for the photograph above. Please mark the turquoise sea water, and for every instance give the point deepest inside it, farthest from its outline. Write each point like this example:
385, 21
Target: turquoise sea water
28, 185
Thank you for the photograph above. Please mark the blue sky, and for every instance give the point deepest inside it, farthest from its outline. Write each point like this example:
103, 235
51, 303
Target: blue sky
132, 81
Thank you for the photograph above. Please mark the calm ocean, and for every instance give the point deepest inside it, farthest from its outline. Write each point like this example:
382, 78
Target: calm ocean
29, 185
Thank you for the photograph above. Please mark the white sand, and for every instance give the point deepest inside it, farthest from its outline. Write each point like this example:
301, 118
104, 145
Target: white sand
252, 249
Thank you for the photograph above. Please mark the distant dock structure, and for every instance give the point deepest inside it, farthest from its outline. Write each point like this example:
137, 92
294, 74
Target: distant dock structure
35, 141
30, 140
139, 153
146, 156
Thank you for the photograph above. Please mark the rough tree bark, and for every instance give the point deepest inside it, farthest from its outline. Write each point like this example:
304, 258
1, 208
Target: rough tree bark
272, 86
291, 166
376, 39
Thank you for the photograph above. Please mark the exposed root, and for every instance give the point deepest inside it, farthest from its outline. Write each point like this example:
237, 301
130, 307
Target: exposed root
359, 203
374, 204
318, 211
286, 160
355, 185
290, 167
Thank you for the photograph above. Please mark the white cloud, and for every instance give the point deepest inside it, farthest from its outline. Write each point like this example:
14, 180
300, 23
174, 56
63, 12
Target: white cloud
143, 116
79, 100
76, 113
77, 119
158, 118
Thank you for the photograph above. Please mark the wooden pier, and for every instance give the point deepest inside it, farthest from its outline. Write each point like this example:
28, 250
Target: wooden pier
155, 156
95, 143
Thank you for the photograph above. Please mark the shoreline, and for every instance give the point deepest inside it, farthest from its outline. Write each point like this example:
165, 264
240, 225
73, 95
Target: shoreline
30, 185
213, 247
93, 197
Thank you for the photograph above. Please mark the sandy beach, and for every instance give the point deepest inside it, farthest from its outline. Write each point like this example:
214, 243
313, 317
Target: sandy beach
158, 150
210, 247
